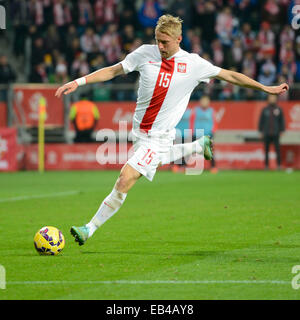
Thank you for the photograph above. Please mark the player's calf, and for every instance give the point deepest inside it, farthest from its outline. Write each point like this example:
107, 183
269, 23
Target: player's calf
110, 205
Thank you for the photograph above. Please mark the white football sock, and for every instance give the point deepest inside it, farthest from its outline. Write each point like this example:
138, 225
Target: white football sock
179, 151
110, 205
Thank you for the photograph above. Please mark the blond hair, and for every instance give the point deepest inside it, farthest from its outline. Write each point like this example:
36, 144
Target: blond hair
169, 25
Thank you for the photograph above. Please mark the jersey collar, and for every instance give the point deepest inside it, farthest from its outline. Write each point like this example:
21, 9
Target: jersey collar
175, 55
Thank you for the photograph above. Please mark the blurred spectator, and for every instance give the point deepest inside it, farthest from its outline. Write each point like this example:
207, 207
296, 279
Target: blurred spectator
194, 42
99, 9
128, 16
80, 66
247, 36
271, 125
85, 12
267, 73
110, 13
246, 10
287, 34
148, 36
110, 44
218, 53
182, 9
7, 75
89, 42
286, 52
137, 43
266, 38
128, 36
229, 91
21, 20
71, 35
236, 54
271, 13
48, 12
96, 64
288, 70
38, 51
38, 74
205, 18
61, 71
53, 39
32, 34
72, 51
36, 12
49, 68
164, 5
62, 15
149, 13
249, 64
225, 26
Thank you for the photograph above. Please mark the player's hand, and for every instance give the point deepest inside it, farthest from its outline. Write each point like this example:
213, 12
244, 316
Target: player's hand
277, 89
66, 88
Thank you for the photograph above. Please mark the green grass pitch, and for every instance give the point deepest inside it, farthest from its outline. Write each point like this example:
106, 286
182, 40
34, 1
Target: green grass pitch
233, 235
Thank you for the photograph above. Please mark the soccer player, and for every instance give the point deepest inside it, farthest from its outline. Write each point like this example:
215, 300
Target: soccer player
168, 75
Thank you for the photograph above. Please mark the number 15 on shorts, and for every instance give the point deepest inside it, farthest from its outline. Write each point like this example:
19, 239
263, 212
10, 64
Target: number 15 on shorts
147, 158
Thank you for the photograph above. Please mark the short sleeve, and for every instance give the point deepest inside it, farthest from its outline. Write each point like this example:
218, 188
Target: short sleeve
204, 69
133, 60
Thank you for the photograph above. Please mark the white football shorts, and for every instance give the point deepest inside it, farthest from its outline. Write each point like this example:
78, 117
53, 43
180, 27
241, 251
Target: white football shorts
149, 153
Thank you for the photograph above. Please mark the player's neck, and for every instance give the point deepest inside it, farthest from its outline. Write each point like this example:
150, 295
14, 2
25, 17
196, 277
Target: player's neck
173, 53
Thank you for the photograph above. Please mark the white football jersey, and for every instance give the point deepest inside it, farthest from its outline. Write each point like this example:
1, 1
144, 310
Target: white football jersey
165, 87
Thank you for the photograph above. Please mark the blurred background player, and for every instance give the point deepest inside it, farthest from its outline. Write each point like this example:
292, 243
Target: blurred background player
200, 117
84, 114
271, 125
203, 118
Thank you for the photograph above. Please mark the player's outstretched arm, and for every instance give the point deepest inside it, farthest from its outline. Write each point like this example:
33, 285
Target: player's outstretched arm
244, 81
100, 75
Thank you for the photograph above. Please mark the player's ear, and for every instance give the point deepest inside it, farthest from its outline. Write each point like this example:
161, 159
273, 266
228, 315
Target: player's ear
179, 39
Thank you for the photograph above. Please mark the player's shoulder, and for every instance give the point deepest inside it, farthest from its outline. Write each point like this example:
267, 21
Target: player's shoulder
192, 57
146, 49
195, 57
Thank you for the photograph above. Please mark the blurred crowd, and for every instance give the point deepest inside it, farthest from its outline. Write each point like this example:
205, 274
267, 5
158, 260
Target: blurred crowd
70, 38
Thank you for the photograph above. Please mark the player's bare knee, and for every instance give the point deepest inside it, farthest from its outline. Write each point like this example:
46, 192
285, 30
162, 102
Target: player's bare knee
122, 183
127, 178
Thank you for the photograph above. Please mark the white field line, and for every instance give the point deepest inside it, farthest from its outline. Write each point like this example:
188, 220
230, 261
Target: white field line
145, 282
38, 196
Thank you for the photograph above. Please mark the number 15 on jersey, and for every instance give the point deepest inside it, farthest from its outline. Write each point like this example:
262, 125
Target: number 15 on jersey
164, 80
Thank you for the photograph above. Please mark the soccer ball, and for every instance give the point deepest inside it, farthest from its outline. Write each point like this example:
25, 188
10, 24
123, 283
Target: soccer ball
49, 241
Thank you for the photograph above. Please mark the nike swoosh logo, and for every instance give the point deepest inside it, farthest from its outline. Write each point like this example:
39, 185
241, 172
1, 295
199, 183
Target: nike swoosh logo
140, 165
152, 62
